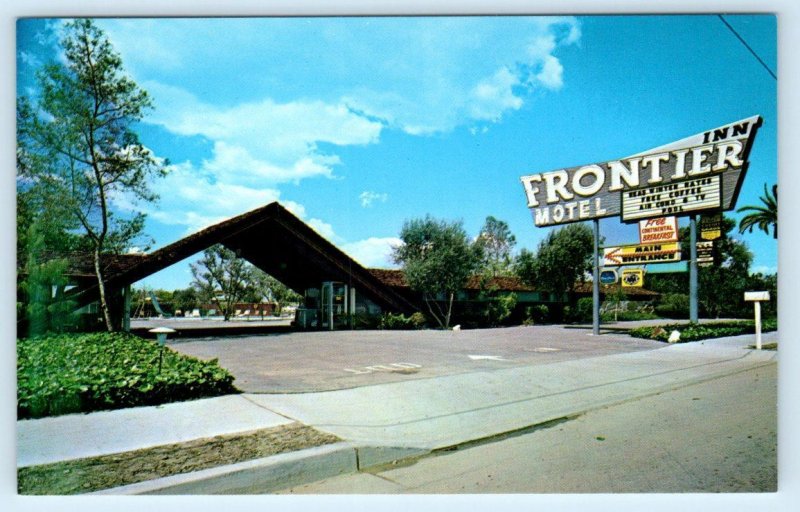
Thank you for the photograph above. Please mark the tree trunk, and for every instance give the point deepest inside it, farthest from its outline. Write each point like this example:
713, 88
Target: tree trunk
433, 313
449, 311
101, 287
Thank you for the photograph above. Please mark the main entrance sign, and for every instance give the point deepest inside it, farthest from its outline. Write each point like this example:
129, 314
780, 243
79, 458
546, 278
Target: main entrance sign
703, 172
641, 254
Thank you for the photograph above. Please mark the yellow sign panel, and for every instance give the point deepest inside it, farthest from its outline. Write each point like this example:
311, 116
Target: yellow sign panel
710, 227
633, 278
641, 254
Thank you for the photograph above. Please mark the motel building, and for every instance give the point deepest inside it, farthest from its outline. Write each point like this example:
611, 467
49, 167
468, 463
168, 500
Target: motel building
336, 289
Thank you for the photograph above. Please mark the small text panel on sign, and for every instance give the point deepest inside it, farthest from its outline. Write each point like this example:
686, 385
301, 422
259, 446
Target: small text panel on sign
674, 198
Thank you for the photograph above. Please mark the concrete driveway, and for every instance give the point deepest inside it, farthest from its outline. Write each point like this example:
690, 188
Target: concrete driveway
323, 361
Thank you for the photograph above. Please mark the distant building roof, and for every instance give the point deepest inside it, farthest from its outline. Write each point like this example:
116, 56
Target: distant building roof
397, 279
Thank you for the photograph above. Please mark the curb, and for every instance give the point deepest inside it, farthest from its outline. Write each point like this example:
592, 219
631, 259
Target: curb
269, 474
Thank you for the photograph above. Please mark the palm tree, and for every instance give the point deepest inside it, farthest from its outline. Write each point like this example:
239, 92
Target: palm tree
762, 216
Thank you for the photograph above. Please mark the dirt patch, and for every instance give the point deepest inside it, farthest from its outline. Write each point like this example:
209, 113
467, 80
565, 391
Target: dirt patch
766, 346
96, 473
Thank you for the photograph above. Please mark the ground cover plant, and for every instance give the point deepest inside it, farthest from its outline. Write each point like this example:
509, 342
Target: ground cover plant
694, 331
68, 373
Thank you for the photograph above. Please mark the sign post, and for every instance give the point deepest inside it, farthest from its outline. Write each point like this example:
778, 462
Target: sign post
693, 316
756, 298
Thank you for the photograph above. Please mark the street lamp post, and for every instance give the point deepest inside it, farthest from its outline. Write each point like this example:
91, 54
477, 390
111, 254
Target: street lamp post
161, 336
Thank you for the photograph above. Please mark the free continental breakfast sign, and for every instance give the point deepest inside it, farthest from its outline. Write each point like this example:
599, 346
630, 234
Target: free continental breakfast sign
703, 172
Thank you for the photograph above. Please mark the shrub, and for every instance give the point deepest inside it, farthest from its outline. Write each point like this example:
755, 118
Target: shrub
536, 314
583, 311
694, 332
68, 373
499, 308
418, 320
673, 305
628, 316
392, 321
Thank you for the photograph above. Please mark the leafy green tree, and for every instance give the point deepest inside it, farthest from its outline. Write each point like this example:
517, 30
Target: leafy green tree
721, 286
524, 266
496, 242
763, 217
562, 259
615, 297
264, 286
43, 305
185, 299
222, 278
75, 139
437, 259
43, 241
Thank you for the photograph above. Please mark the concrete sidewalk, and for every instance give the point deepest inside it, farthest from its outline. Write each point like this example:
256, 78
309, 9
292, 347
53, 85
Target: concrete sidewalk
77, 436
415, 415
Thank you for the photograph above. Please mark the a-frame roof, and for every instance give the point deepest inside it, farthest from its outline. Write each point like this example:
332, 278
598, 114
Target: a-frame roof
277, 242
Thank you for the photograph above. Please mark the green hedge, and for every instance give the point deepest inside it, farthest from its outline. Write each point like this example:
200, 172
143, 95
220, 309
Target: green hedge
694, 332
67, 373
399, 321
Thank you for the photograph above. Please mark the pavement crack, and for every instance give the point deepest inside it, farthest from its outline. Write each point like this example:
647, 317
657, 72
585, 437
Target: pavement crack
262, 406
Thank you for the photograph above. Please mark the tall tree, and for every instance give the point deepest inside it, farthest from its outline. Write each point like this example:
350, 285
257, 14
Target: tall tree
721, 286
763, 217
76, 140
222, 278
563, 258
496, 243
437, 259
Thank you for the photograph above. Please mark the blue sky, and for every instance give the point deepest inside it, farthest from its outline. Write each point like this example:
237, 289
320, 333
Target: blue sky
356, 124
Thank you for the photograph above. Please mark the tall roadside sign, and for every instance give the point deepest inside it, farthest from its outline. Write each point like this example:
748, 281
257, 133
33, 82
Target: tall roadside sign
702, 173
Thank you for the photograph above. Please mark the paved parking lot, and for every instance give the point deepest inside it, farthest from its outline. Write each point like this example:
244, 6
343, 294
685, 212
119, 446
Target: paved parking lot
322, 361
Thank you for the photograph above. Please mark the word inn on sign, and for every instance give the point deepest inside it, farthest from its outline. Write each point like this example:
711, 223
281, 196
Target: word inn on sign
698, 173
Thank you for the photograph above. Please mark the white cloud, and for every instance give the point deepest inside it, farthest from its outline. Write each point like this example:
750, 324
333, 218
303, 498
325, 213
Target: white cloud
442, 91
368, 197
494, 96
422, 75
278, 133
373, 252
188, 197
551, 75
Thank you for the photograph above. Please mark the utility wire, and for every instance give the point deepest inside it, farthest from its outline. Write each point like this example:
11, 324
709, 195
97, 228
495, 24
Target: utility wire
747, 46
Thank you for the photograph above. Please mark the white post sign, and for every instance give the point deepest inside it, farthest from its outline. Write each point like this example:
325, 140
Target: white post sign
756, 298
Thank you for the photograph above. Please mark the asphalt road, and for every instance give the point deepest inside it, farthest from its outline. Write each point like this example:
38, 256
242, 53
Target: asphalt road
715, 436
323, 361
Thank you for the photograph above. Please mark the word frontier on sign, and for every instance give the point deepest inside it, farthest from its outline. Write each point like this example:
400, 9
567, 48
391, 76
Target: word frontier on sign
591, 179
679, 178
